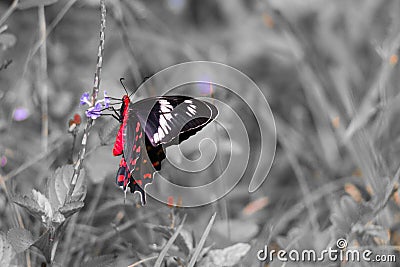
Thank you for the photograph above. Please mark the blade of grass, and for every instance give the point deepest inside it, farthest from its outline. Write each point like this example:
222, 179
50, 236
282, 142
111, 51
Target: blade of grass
169, 244
43, 77
202, 241
143, 261
51, 27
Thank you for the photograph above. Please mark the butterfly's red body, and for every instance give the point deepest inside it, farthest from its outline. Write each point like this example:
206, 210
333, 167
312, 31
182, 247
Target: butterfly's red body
119, 141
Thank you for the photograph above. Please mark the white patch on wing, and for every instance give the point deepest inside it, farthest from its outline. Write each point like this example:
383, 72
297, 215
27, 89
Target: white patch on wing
165, 108
188, 101
191, 110
189, 114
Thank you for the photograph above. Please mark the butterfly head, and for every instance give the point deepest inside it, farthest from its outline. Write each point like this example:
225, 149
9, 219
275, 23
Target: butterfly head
125, 100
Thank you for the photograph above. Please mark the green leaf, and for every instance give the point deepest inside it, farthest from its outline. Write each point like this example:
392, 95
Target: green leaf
20, 239
70, 208
6, 251
225, 257
58, 186
25, 4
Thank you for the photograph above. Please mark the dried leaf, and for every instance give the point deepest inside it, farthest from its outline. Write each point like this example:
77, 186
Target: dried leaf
31, 205
44, 205
225, 257
6, 251
20, 239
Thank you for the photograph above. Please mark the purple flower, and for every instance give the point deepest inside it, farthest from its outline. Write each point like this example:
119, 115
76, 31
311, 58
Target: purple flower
106, 100
20, 114
94, 112
3, 161
85, 99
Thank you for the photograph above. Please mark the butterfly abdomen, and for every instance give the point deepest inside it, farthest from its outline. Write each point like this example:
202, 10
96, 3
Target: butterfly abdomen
119, 141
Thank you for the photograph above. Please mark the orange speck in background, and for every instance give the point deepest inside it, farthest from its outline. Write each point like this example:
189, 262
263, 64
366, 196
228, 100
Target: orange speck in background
357, 173
255, 206
336, 122
353, 191
268, 21
393, 60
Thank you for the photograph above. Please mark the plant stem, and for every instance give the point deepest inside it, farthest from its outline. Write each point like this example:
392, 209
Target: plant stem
95, 91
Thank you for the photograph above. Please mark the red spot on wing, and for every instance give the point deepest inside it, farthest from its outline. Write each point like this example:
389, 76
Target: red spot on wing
138, 149
121, 178
147, 175
155, 164
139, 182
137, 127
122, 163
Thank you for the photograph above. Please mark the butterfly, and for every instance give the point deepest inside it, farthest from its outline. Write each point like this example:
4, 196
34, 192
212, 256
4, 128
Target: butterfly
147, 125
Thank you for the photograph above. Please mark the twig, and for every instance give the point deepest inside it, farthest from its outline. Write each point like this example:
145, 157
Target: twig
164, 251
43, 77
202, 241
143, 261
9, 11
50, 28
95, 91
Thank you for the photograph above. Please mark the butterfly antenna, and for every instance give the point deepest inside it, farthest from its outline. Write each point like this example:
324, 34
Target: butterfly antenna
122, 82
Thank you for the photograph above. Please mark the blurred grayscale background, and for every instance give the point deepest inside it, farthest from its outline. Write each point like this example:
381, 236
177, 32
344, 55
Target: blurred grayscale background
328, 69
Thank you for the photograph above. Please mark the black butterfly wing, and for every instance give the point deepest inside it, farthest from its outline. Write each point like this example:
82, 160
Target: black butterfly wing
167, 117
138, 164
